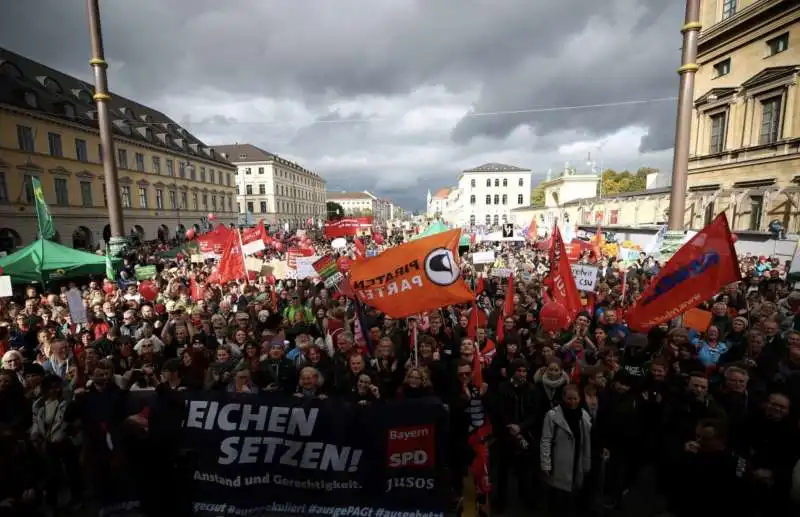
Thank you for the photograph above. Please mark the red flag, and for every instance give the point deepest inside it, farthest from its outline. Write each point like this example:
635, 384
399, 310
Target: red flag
562, 283
197, 291
694, 274
254, 239
533, 230
231, 266
361, 250
479, 286
508, 309
597, 242
477, 319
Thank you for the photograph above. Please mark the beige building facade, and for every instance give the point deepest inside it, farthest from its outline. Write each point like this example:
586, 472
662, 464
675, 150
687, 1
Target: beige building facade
169, 180
745, 149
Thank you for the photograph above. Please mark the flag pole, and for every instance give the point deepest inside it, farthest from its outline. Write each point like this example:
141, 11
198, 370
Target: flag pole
241, 252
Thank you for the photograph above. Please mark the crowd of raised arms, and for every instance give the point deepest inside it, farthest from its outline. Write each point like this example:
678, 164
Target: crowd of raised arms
577, 414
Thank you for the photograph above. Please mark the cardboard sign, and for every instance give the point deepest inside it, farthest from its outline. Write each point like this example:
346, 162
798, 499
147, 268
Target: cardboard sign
305, 267
197, 258
502, 272
508, 231
76, 307
585, 277
253, 263
6, 291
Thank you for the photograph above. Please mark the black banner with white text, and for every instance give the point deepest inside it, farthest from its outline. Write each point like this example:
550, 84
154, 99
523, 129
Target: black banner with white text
267, 454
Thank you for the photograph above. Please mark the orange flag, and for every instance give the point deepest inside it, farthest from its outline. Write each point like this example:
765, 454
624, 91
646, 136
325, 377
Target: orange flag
562, 283
418, 276
508, 309
231, 266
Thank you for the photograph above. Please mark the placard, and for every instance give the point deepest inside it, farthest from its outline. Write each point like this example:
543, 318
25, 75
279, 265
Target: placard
6, 291
145, 272
585, 276
305, 267
483, 257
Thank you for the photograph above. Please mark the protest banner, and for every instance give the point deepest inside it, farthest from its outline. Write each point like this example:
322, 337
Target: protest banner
145, 272
420, 275
269, 454
585, 277
483, 257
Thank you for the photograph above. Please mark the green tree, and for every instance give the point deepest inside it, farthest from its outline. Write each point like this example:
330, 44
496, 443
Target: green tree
614, 182
335, 210
537, 197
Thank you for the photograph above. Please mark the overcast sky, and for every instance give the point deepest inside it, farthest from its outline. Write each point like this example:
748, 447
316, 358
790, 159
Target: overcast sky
394, 96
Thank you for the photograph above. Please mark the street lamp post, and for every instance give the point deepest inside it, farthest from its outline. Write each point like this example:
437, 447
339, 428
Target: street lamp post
683, 126
117, 242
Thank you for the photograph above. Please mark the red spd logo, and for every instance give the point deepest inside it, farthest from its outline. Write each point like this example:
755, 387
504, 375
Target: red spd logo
411, 447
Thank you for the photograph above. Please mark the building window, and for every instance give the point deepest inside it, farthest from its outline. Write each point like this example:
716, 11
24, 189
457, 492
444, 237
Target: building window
173, 200
249, 207
717, 142
488, 199
228, 178
770, 121
192, 173
756, 211
708, 217
28, 182
81, 150
156, 164
497, 182
62, 196
505, 182
728, 8
122, 155
126, 196
205, 201
613, 217
203, 174
488, 182
170, 168
519, 199
25, 139
247, 170
496, 219
505, 199
488, 219
261, 170
159, 199
139, 158
143, 197
778, 44
722, 68
194, 202
496, 199
472, 183
184, 200
99, 153
472, 199
211, 175
54, 144
86, 194
214, 202
262, 189
3, 189
182, 169
248, 189
263, 207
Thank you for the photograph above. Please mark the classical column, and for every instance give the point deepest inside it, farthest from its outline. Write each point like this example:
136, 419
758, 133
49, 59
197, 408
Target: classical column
118, 241
683, 128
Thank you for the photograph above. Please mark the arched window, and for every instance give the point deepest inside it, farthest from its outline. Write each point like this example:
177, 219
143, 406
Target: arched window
472, 199
505, 182
520, 182
496, 219
505, 199
496, 182
472, 220
488, 219
496, 199
488, 182
488, 199
472, 182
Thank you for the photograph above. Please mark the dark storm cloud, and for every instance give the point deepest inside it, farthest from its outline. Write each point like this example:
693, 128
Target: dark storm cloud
519, 54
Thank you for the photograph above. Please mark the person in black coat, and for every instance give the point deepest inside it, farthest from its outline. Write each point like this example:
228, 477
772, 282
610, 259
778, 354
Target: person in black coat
515, 418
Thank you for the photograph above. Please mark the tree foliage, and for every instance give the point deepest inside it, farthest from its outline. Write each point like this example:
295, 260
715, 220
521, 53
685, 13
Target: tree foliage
335, 210
537, 197
614, 182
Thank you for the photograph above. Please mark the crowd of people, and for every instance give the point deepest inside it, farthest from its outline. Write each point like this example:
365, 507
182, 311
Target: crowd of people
575, 415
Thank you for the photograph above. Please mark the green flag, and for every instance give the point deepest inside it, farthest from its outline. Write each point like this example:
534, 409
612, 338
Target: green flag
46, 228
111, 273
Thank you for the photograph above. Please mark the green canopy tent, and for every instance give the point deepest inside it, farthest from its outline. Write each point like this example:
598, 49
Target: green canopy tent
45, 260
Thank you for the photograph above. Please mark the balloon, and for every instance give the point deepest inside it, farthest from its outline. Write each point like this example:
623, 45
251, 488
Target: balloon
344, 263
212, 217
378, 239
553, 316
148, 290
190, 233
734, 238
278, 245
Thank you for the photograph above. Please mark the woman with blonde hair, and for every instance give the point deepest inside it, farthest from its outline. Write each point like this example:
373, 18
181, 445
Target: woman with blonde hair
417, 384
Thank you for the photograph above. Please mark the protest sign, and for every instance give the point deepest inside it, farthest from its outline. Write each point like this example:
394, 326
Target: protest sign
266, 454
305, 267
145, 272
483, 257
585, 277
